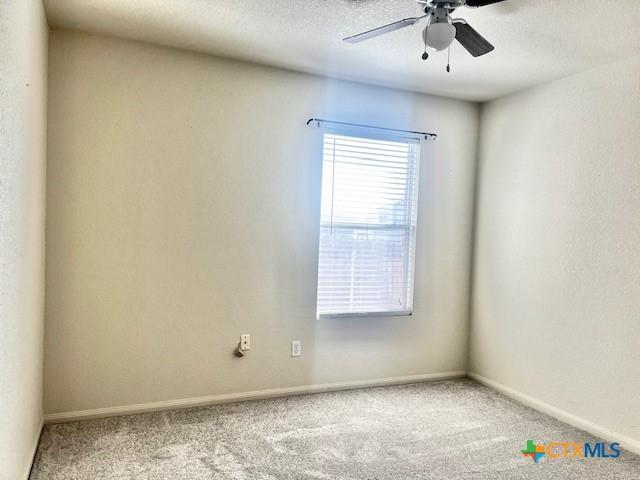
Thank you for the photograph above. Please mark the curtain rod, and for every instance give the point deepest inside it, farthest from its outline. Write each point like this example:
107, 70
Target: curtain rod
319, 121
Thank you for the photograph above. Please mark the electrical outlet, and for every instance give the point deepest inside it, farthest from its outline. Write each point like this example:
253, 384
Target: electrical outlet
296, 348
245, 342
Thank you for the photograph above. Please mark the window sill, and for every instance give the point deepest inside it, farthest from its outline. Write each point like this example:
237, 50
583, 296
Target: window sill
364, 314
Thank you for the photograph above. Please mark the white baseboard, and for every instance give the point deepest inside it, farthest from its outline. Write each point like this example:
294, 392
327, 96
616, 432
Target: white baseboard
34, 450
244, 396
597, 430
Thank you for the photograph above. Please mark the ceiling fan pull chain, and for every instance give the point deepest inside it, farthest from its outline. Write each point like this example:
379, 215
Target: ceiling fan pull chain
449, 59
425, 55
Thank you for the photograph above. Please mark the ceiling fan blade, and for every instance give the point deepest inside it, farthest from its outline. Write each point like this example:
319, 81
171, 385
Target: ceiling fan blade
474, 43
406, 22
481, 3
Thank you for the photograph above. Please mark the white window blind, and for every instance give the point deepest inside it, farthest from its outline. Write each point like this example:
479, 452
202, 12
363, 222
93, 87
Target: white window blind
368, 224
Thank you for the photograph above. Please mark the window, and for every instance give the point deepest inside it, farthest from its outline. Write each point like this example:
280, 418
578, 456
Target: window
368, 224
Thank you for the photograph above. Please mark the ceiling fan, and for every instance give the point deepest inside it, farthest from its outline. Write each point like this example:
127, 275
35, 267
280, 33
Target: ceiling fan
441, 29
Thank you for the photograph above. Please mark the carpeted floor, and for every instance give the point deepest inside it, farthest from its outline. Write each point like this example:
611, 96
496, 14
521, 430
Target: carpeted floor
454, 429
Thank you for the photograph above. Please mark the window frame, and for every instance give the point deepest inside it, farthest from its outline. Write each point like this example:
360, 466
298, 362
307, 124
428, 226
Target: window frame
374, 133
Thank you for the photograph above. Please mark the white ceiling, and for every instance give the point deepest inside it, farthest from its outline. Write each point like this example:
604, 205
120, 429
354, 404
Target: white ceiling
536, 40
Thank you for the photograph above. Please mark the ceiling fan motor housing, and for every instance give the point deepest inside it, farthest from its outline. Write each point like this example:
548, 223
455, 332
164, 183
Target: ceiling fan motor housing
449, 5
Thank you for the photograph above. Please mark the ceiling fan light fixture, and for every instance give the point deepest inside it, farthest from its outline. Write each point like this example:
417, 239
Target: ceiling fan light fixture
438, 36
441, 29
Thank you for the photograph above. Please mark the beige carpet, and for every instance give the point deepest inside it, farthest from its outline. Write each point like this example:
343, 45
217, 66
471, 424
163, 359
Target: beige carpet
454, 429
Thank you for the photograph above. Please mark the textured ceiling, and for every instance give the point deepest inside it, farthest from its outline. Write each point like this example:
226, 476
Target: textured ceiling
536, 40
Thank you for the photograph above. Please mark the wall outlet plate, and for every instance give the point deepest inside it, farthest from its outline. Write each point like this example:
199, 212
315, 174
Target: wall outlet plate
296, 348
245, 342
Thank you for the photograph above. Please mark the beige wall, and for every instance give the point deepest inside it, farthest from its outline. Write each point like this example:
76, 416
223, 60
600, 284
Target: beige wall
556, 307
23, 82
183, 210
